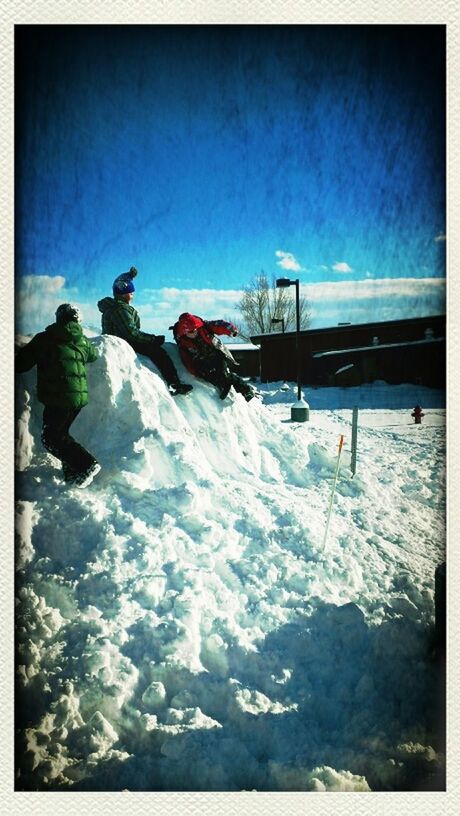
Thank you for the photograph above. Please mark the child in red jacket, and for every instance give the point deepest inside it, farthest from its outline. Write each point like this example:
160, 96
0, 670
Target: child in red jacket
205, 356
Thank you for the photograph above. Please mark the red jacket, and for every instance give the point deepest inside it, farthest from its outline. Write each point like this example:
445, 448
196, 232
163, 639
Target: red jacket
192, 348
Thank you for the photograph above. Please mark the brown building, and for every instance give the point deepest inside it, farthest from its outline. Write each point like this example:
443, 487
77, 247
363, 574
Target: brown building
396, 351
248, 358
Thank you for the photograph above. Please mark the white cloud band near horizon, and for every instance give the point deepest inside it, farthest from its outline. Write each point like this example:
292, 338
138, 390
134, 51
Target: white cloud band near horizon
374, 299
331, 302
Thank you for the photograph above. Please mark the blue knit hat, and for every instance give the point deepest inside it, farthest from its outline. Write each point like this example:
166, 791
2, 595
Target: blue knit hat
124, 283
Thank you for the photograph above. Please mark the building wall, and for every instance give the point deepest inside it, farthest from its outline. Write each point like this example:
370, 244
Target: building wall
423, 363
249, 361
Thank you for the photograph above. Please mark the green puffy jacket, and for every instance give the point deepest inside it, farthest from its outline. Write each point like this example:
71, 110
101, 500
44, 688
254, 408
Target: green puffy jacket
60, 354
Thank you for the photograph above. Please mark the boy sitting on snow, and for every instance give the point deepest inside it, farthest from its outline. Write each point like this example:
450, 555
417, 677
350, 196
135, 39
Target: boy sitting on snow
60, 354
205, 356
122, 320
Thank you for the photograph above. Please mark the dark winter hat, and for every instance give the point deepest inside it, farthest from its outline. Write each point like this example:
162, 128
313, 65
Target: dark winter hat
124, 283
66, 312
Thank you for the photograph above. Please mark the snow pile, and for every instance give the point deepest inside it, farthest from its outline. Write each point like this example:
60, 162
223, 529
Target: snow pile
179, 624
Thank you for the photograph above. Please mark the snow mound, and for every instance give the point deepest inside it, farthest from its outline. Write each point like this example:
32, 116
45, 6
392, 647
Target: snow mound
181, 625
134, 426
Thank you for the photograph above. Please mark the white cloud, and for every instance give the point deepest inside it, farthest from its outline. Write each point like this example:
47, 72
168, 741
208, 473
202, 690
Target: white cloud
331, 302
440, 237
341, 267
45, 283
374, 299
288, 261
197, 295
160, 308
38, 297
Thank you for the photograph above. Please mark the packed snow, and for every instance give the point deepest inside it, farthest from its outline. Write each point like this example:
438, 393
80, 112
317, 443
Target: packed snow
183, 625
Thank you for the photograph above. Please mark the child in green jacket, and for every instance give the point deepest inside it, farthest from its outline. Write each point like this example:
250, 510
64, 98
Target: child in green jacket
60, 354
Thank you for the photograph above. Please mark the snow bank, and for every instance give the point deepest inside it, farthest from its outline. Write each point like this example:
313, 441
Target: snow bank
179, 625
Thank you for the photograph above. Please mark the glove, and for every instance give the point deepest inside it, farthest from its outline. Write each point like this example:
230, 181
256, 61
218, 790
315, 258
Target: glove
159, 339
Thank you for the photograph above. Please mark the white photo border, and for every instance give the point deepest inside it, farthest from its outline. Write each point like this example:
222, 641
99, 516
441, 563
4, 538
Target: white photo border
223, 12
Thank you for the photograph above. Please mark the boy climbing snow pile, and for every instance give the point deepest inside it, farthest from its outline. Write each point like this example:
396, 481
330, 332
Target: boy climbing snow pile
60, 354
205, 356
122, 320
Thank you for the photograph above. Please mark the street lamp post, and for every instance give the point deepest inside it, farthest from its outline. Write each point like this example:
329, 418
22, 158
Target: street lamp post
299, 412
279, 320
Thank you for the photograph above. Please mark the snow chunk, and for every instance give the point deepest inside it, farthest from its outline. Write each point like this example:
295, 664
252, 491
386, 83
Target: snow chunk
25, 519
154, 696
328, 779
254, 702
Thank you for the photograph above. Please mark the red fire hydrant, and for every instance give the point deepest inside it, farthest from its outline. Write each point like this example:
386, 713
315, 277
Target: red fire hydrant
417, 413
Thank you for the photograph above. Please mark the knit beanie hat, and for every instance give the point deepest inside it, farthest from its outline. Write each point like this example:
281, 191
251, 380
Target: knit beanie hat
124, 283
187, 323
66, 312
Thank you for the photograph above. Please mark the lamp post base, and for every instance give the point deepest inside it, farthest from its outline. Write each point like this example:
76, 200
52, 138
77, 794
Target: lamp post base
300, 411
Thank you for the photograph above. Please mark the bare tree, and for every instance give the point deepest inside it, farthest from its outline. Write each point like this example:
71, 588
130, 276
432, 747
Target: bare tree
262, 301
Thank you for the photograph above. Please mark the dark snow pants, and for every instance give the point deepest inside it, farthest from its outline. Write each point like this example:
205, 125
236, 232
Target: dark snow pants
159, 357
216, 371
57, 440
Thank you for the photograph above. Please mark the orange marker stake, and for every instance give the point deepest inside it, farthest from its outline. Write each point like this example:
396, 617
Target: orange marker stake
333, 489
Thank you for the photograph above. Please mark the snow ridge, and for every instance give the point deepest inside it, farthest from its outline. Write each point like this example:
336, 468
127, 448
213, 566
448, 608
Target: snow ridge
180, 627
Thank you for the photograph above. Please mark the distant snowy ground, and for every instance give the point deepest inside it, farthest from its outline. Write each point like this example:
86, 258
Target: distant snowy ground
179, 624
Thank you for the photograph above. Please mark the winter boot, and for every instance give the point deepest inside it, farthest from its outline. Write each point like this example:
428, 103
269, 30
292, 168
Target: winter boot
84, 479
179, 387
225, 388
247, 391
249, 394
69, 474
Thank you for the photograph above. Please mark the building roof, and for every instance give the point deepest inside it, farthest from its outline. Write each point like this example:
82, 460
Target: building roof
345, 327
377, 346
242, 347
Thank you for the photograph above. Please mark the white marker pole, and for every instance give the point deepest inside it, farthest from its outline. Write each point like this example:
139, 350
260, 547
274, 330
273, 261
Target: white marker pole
354, 439
333, 489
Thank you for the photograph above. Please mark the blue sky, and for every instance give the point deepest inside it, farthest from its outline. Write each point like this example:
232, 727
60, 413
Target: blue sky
204, 154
